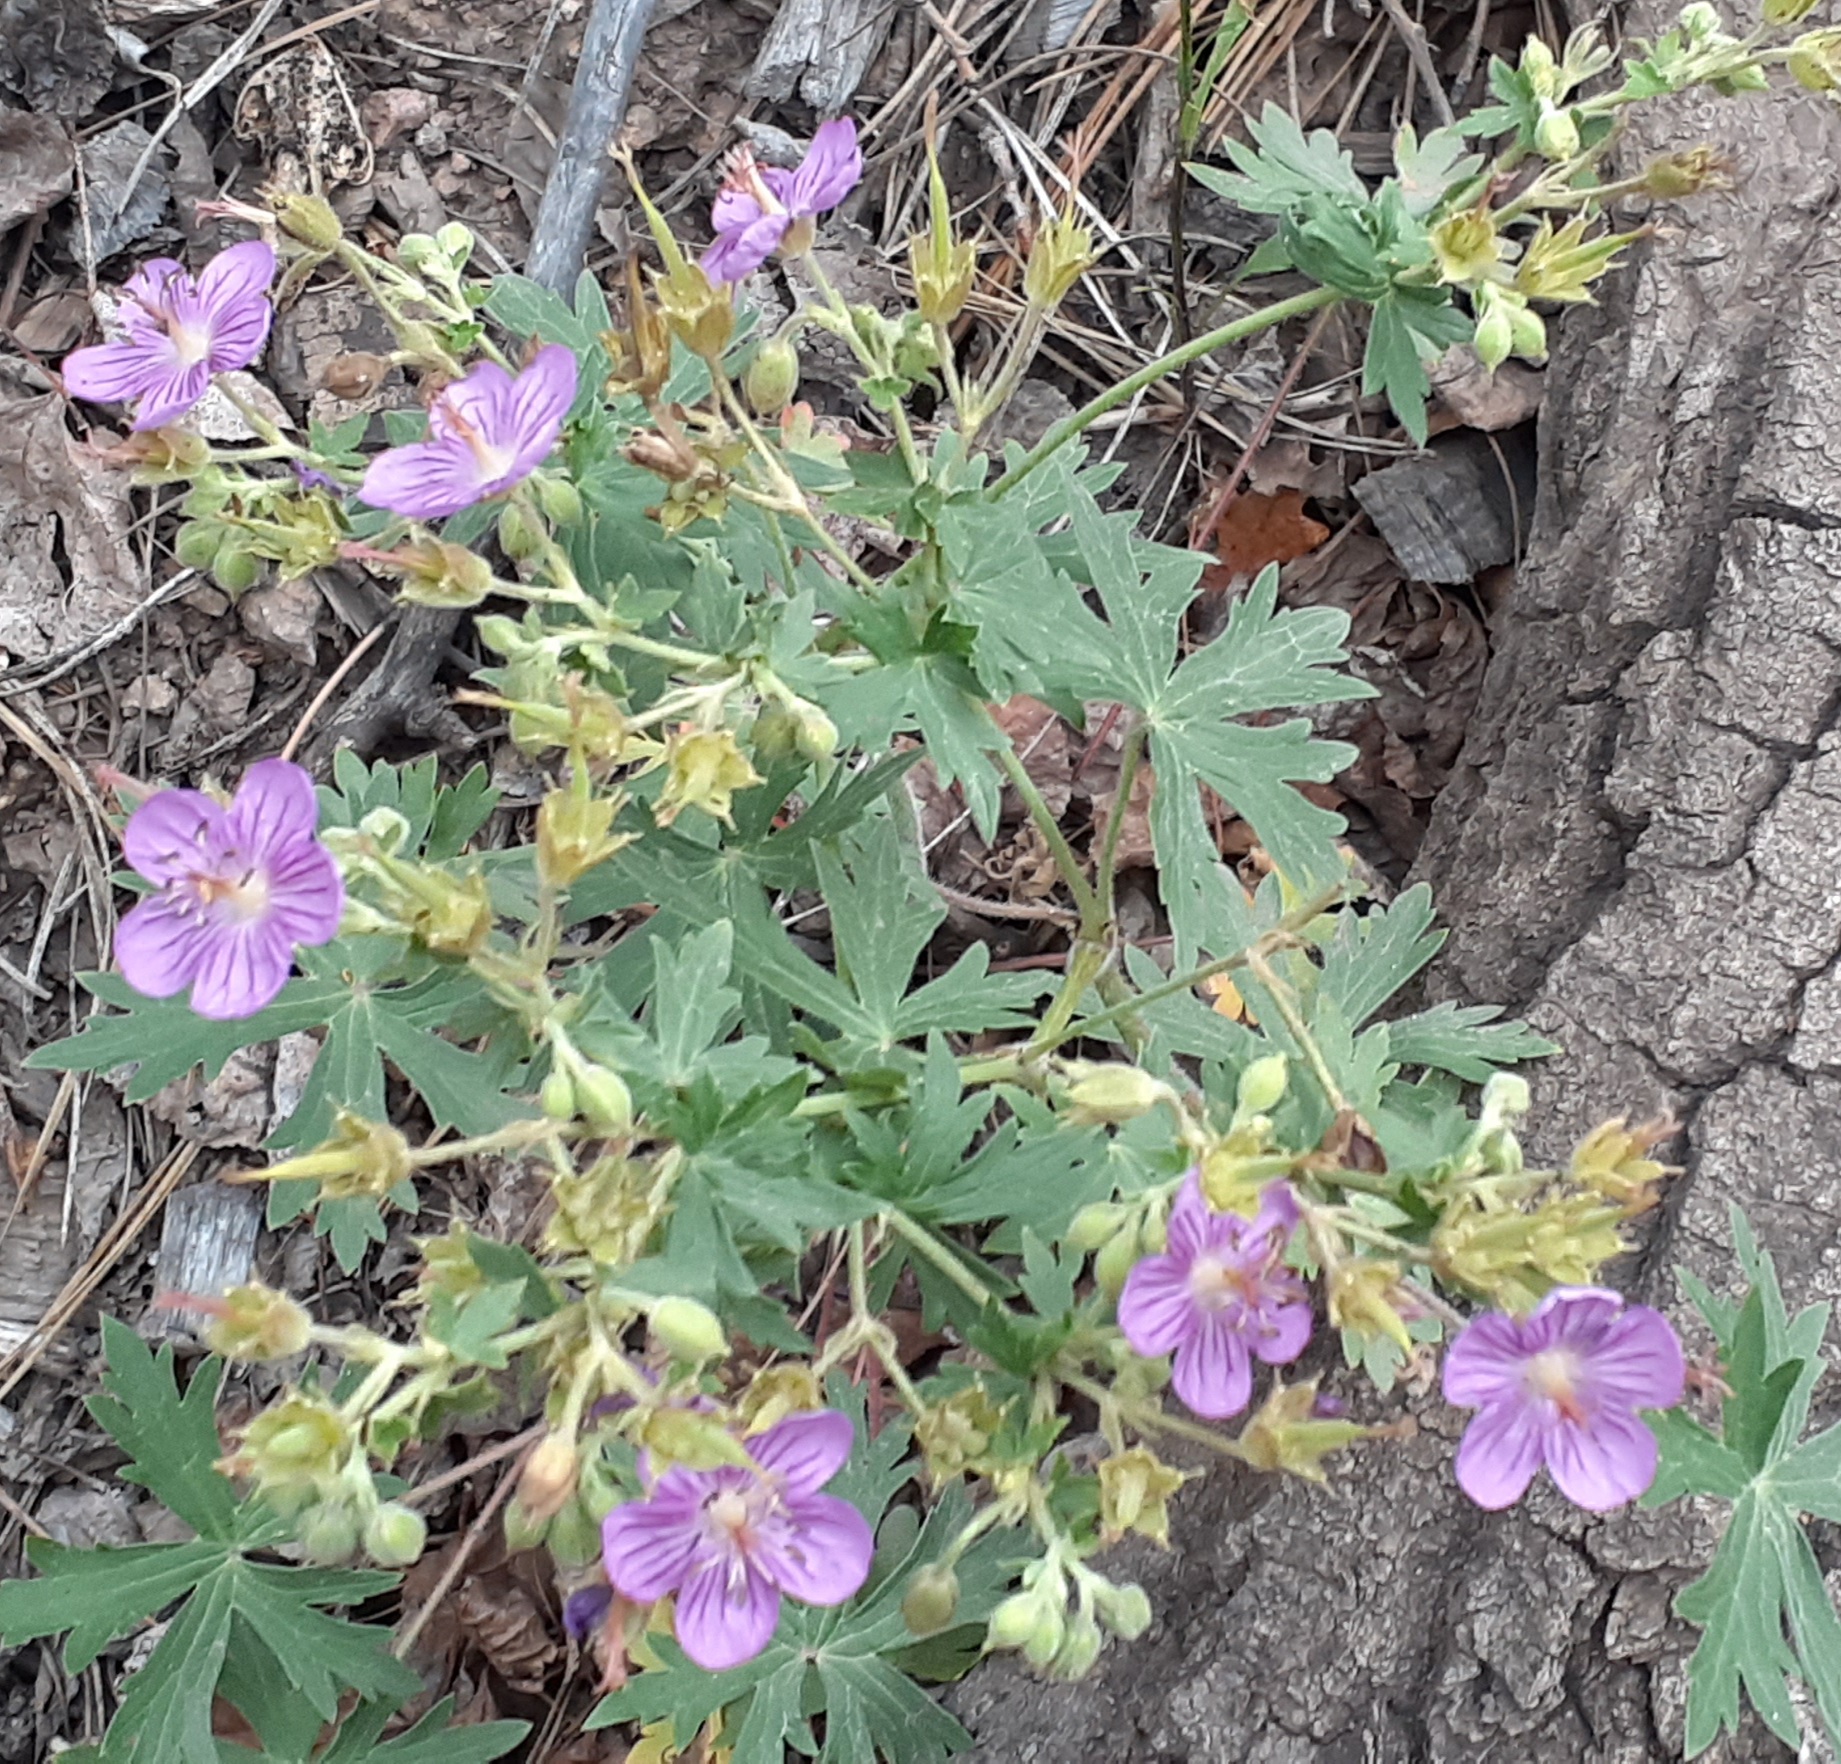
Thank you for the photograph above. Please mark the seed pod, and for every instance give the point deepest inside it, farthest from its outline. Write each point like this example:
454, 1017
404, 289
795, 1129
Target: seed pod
931, 1601
1096, 1225
1116, 1261
688, 1330
356, 374
394, 1535
772, 378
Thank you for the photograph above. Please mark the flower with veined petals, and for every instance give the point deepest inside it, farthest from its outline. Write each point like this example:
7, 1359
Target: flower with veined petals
730, 1541
181, 331
761, 209
487, 433
237, 890
1218, 1296
1562, 1386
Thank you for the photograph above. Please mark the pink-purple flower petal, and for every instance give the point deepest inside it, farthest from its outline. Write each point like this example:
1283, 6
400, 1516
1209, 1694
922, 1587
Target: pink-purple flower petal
1501, 1450
1603, 1465
805, 1450
737, 254
1637, 1363
275, 807
157, 948
725, 1619
825, 1554
1212, 1372
831, 169
648, 1546
1281, 1334
1156, 1309
240, 969
167, 835
166, 398
1486, 1364
107, 373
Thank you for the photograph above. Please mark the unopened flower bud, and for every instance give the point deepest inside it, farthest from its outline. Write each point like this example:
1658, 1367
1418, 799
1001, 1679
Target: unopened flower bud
394, 1535
772, 378
1013, 1622
1495, 335
815, 735
931, 1600
557, 1096
235, 569
1126, 1609
524, 1530
310, 219
455, 240
687, 1330
328, 1534
1539, 69
1048, 1633
559, 499
196, 544
386, 828
1527, 331
1699, 21
1080, 1649
257, 1323
1107, 1095
354, 375
603, 1100
1096, 1224
548, 1477
1262, 1085
518, 533
1556, 135
1115, 1262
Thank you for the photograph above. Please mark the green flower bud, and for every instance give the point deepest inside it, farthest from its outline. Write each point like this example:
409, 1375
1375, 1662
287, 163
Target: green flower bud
254, 1322
328, 1534
1699, 20
603, 1099
518, 533
456, 243
1556, 135
688, 1330
524, 1530
1539, 69
197, 543
311, 220
548, 1478
415, 250
1080, 1648
931, 1600
1012, 1623
1262, 1085
394, 1535
557, 1097
386, 828
815, 735
1105, 1095
1095, 1225
1527, 331
559, 499
772, 379
1126, 1609
235, 568
1048, 1633
1116, 1261
1495, 335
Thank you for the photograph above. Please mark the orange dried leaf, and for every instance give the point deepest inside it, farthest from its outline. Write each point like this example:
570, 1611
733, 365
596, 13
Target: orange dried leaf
1260, 529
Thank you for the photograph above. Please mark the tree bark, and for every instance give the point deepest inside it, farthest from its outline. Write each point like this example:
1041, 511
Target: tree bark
1639, 852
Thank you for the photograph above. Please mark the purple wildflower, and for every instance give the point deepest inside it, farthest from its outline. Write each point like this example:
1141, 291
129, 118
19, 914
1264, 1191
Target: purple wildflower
1562, 1386
584, 1610
238, 889
1219, 1294
761, 209
180, 333
730, 1541
312, 478
487, 433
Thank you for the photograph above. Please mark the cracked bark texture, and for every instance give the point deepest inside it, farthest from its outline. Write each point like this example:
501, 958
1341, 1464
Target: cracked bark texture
1640, 853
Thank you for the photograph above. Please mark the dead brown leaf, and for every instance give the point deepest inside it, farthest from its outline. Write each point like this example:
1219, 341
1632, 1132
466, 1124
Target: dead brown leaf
1257, 530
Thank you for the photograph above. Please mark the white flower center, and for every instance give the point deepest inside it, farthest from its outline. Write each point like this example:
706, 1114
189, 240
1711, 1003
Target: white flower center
1554, 1374
494, 462
246, 897
191, 343
1214, 1285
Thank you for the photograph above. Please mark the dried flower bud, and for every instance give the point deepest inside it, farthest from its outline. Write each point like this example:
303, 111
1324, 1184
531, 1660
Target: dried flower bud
1061, 254
361, 1158
931, 1600
293, 1452
687, 1330
1287, 1434
1135, 1488
1466, 247
1687, 173
705, 768
255, 1322
575, 833
354, 375
310, 219
548, 1477
394, 1536
1361, 1298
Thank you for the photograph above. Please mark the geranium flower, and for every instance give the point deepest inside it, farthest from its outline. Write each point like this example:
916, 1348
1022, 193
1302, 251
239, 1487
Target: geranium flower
180, 333
761, 209
1218, 1296
1562, 1387
238, 889
487, 433
729, 1542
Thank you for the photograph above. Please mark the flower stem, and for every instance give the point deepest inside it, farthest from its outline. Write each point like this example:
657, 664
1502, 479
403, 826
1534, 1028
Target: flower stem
1293, 1019
919, 1238
1092, 922
1172, 362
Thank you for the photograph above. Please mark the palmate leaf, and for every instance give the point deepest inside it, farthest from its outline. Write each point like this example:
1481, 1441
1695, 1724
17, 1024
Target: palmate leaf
1762, 1606
1283, 166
